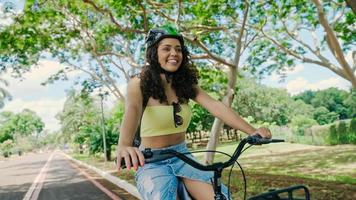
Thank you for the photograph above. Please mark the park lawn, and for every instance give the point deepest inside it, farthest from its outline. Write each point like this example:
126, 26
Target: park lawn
329, 171
330, 163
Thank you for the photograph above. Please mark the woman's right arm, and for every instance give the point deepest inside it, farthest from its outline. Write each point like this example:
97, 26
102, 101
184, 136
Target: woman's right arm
133, 110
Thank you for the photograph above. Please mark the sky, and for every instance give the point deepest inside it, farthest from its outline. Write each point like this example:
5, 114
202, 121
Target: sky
47, 101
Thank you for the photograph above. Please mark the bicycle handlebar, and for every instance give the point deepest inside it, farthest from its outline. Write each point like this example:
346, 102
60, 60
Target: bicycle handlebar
252, 139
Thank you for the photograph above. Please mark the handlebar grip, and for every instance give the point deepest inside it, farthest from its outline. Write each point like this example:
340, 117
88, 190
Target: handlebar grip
147, 153
258, 140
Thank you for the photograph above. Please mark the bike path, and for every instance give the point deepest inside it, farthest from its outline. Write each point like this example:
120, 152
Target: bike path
53, 176
63, 181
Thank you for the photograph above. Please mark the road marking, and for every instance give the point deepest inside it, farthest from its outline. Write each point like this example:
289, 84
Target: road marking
34, 191
97, 184
113, 179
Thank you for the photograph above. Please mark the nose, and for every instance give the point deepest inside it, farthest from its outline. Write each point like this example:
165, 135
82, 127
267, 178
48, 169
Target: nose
174, 52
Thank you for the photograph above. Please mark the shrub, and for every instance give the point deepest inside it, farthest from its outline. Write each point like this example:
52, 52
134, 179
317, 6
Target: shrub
352, 128
343, 133
333, 136
6, 147
352, 131
300, 122
323, 116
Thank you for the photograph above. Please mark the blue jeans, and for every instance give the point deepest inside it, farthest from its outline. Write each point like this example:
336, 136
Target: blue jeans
162, 180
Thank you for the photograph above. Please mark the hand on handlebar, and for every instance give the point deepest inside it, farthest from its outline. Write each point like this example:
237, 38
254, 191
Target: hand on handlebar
263, 132
132, 156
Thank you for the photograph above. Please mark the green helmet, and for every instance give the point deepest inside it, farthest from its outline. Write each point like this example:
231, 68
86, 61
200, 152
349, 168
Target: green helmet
157, 34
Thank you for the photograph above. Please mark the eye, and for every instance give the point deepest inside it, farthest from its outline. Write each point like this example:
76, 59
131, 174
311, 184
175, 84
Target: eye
166, 49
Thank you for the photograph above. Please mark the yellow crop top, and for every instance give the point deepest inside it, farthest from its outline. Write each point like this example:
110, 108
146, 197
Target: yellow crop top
158, 120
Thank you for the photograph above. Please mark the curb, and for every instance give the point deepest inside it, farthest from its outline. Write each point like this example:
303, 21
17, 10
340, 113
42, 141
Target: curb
115, 180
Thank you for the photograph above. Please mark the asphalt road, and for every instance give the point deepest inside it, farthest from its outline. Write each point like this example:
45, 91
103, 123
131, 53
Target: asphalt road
48, 176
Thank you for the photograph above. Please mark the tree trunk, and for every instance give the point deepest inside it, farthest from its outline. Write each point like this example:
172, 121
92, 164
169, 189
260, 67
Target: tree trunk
108, 153
216, 129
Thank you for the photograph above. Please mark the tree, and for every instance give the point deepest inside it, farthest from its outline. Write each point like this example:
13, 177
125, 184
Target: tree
108, 32
78, 117
333, 100
267, 104
323, 116
306, 96
81, 122
97, 36
21, 124
112, 124
23, 129
308, 32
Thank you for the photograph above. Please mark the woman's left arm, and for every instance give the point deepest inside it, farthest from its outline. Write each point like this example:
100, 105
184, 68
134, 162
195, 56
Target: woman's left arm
227, 114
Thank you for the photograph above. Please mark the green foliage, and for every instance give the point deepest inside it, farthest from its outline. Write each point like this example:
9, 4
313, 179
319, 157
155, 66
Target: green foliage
333, 136
288, 27
267, 104
300, 122
343, 132
82, 122
6, 147
331, 104
352, 129
350, 103
212, 80
201, 120
332, 99
306, 96
323, 116
78, 111
21, 124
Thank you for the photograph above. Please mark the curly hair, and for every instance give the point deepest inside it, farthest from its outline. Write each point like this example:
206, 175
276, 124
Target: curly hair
183, 80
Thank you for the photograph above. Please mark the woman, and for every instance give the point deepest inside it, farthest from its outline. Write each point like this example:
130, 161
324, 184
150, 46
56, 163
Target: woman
168, 83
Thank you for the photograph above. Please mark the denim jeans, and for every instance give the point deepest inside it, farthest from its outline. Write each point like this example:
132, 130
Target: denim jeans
163, 179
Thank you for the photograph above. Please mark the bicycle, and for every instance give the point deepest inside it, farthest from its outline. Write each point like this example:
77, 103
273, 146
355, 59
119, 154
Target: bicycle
217, 168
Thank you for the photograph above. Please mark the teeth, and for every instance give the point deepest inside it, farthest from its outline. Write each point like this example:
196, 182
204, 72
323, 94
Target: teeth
173, 61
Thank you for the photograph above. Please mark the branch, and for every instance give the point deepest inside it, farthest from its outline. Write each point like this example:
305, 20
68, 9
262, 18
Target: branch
305, 59
316, 52
239, 39
94, 77
337, 19
334, 44
108, 77
248, 42
210, 54
207, 28
145, 20
112, 18
178, 14
201, 56
120, 67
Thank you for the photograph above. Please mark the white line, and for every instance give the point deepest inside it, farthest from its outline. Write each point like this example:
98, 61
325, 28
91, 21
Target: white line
38, 183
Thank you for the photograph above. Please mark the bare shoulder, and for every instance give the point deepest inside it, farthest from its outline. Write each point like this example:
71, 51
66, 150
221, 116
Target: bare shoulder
133, 93
134, 83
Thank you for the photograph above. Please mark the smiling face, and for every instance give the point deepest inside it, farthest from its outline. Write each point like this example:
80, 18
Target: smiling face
170, 54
